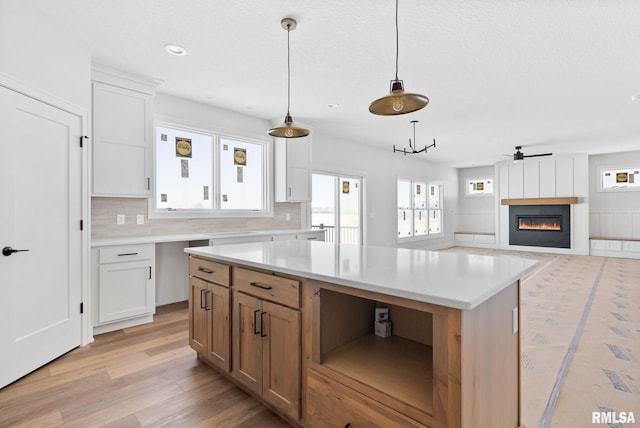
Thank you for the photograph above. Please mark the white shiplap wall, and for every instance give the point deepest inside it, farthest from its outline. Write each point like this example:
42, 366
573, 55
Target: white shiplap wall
546, 177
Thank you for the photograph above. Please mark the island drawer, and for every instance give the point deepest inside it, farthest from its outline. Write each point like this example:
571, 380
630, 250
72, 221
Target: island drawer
268, 287
209, 270
331, 404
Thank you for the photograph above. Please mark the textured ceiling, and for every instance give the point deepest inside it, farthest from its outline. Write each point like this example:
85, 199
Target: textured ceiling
552, 76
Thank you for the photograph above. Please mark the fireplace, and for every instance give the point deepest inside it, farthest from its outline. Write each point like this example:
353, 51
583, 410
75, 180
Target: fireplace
540, 225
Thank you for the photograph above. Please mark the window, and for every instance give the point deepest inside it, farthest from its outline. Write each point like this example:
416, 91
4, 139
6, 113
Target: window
419, 209
619, 179
207, 174
482, 186
337, 207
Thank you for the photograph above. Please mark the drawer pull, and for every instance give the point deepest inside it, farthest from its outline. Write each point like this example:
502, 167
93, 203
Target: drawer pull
264, 287
127, 254
201, 269
255, 321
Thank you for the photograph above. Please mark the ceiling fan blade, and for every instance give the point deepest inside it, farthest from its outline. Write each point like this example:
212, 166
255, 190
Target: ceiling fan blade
541, 154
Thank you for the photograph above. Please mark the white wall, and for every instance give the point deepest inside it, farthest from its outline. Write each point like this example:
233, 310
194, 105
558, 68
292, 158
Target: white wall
36, 52
476, 213
203, 115
613, 214
381, 169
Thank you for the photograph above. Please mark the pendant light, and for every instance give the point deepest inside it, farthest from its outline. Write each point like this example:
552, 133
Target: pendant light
288, 129
398, 101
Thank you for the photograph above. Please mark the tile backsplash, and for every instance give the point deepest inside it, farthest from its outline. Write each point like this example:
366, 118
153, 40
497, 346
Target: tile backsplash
104, 212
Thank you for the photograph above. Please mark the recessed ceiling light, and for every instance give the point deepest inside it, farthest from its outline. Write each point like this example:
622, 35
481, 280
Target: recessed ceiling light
175, 50
635, 97
332, 105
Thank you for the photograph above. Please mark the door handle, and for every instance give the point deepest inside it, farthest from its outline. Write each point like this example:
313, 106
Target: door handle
255, 322
203, 297
7, 251
262, 325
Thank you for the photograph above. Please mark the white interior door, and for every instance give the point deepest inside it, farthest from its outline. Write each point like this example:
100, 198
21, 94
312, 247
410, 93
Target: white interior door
40, 211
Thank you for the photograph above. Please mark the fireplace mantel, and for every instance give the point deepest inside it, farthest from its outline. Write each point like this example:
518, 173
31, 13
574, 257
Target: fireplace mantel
541, 201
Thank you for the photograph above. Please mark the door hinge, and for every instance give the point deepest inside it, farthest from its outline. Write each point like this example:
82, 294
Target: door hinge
82, 307
82, 137
81, 224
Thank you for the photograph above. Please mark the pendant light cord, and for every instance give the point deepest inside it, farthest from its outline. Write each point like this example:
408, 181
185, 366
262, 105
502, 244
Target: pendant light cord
397, 42
289, 70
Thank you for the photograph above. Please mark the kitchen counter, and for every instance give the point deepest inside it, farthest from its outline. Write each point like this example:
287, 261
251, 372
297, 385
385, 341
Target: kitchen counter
455, 280
154, 239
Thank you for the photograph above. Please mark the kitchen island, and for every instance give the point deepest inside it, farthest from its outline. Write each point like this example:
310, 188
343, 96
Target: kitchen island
293, 323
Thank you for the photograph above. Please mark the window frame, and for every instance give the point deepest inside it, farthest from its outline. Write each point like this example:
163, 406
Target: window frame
467, 180
216, 211
414, 210
602, 170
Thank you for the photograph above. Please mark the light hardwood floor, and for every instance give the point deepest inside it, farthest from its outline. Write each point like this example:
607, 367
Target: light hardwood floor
146, 376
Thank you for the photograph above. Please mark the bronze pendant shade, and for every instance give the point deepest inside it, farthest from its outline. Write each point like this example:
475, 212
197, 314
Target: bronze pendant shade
398, 101
288, 129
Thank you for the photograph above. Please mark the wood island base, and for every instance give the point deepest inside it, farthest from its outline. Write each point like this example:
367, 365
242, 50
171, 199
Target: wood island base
306, 348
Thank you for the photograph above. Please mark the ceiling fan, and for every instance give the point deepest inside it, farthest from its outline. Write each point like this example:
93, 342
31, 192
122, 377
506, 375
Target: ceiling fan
518, 155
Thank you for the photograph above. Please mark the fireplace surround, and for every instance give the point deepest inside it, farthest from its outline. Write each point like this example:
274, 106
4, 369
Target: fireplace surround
540, 225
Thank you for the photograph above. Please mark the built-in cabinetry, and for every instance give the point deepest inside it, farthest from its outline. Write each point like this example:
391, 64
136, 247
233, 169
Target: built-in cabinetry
123, 286
122, 143
307, 348
293, 170
625, 248
264, 329
471, 239
209, 308
266, 333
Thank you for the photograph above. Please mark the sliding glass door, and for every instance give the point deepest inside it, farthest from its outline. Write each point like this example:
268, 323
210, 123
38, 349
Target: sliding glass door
337, 207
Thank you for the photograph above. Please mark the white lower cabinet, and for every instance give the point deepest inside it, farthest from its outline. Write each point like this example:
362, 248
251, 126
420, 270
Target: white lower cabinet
624, 248
123, 286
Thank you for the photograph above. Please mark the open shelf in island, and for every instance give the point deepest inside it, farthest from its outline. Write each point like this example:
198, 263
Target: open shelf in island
396, 366
399, 367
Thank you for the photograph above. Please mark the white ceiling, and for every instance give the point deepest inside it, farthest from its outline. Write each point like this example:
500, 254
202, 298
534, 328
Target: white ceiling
550, 75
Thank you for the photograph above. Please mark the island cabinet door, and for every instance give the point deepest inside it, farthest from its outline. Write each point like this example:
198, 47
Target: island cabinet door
280, 331
247, 341
198, 325
217, 308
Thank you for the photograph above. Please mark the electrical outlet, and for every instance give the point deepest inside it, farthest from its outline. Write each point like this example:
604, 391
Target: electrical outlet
287, 216
140, 219
120, 219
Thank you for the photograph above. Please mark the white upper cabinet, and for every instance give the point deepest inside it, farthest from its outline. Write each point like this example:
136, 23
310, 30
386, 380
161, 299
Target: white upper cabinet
122, 135
293, 170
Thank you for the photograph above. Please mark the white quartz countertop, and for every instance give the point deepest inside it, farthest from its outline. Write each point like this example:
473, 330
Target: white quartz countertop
153, 239
457, 280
